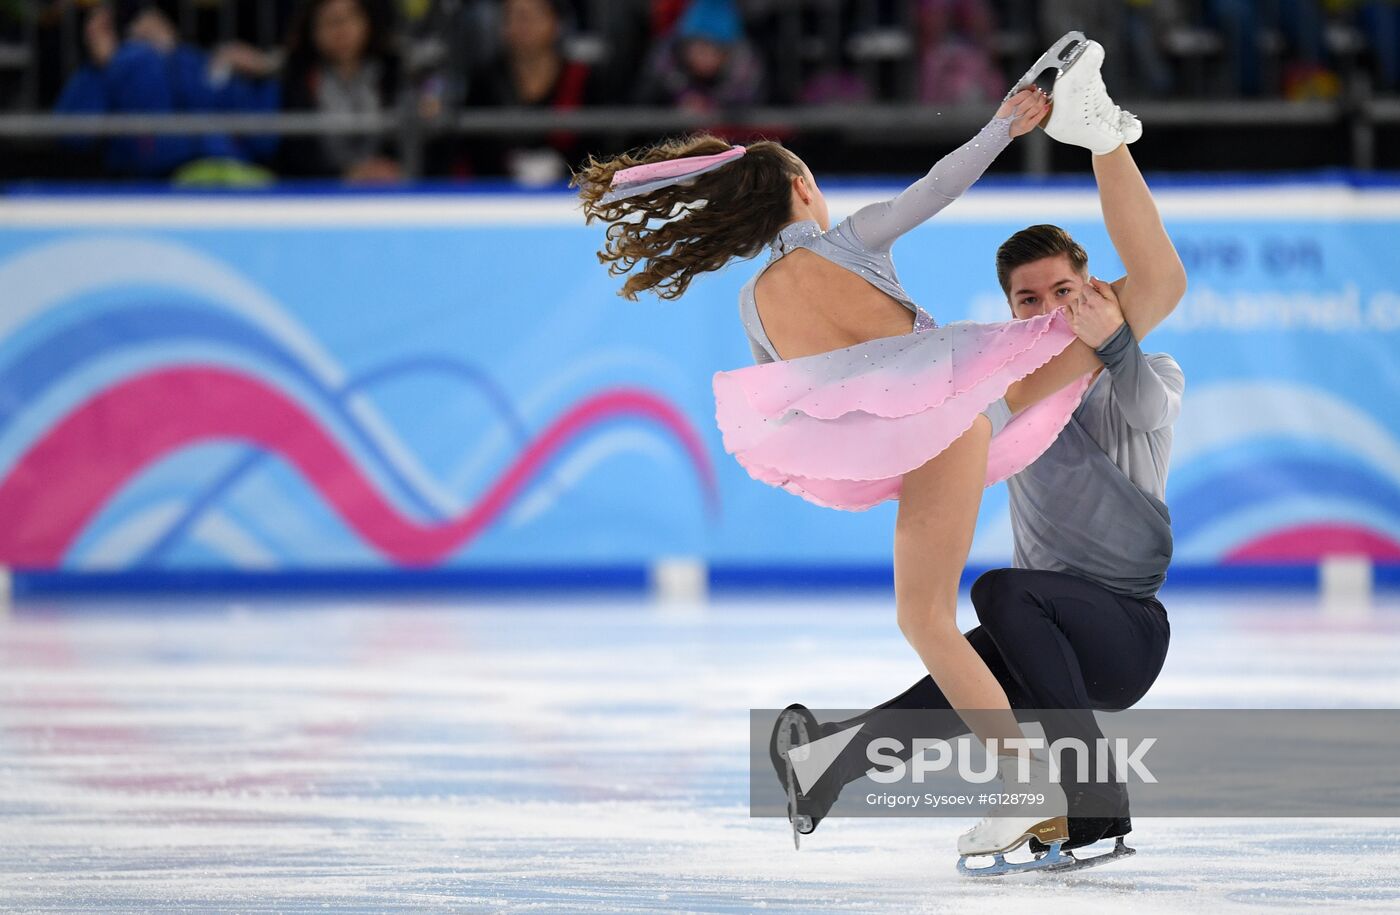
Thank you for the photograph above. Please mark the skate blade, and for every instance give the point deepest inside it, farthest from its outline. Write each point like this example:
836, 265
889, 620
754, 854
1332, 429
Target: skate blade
1054, 832
1052, 64
801, 823
1050, 859
1074, 863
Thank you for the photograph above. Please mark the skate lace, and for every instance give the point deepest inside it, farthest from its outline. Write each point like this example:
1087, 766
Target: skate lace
1101, 107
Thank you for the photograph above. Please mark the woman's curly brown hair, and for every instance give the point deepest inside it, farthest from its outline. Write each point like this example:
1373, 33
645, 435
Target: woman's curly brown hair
685, 230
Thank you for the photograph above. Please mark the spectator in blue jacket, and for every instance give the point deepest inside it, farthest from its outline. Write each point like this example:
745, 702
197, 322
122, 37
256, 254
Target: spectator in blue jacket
134, 62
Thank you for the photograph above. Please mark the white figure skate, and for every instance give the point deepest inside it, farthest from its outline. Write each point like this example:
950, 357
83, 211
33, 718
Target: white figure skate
997, 835
1083, 114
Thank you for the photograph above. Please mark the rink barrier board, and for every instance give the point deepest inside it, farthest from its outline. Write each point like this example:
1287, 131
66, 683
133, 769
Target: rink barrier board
622, 578
1221, 221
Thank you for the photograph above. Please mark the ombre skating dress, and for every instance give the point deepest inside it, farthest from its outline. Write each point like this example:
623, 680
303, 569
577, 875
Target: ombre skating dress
841, 428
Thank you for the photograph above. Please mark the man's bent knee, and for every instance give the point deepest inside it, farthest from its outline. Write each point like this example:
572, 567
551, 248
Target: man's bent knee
987, 585
1000, 596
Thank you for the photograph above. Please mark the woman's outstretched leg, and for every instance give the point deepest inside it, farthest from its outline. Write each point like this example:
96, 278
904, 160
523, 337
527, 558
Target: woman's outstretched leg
1073, 361
938, 505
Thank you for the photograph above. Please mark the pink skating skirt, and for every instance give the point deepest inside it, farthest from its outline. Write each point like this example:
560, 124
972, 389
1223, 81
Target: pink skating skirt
840, 429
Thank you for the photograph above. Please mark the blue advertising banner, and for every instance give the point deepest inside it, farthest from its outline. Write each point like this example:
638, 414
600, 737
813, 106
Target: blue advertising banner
419, 382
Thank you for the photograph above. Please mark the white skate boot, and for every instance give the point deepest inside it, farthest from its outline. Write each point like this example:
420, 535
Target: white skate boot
996, 835
1082, 112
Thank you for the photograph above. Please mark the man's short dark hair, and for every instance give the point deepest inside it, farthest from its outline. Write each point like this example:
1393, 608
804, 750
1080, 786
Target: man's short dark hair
1035, 243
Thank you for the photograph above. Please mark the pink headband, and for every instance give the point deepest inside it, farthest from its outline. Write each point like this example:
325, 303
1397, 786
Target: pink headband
641, 179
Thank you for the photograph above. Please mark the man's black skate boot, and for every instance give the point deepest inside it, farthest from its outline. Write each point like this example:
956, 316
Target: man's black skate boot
797, 726
1088, 830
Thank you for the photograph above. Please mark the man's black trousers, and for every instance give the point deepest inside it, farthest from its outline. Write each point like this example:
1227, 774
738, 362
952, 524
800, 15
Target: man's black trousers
1055, 642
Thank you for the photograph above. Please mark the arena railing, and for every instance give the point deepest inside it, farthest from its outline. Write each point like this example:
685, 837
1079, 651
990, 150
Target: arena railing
894, 123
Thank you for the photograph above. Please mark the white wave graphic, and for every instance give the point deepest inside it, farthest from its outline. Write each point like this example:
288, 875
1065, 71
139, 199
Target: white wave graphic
220, 534
125, 541
579, 463
43, 276
1221, 415
1225, 533
572, 378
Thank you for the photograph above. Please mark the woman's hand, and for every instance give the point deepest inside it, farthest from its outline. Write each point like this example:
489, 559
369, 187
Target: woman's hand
1096, 316
1030, 106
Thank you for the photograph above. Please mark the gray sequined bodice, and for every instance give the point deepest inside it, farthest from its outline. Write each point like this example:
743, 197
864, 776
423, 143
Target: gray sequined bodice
861, 242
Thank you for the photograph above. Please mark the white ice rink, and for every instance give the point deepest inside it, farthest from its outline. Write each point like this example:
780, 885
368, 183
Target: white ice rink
559, 755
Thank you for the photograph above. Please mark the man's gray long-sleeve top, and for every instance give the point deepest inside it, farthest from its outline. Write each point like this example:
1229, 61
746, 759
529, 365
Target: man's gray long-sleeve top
1092, 505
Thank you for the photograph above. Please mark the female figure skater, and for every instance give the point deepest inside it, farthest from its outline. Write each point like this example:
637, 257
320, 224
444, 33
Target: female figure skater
858, 395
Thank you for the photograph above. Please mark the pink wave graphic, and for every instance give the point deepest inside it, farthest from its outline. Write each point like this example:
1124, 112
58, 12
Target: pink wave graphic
65, 478
1311, 542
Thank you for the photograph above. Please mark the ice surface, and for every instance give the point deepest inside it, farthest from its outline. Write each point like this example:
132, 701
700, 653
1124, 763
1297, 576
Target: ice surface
565, 754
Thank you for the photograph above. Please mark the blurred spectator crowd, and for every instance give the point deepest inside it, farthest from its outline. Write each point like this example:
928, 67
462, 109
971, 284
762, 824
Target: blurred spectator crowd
434, 58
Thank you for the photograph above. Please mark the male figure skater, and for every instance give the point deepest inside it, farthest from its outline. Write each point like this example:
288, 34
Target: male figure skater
1076, 625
